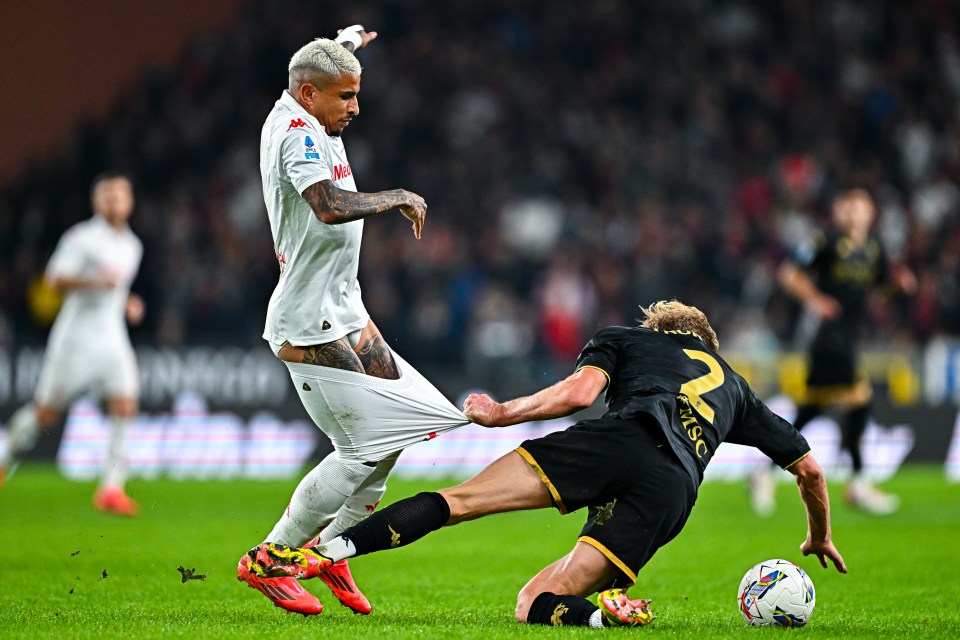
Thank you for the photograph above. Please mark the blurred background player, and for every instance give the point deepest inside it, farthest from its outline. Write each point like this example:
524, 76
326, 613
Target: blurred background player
671, 400
832, 277
364, 397
89, 349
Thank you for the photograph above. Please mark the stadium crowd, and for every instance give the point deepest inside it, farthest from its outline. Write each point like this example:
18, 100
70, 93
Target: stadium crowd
579, 159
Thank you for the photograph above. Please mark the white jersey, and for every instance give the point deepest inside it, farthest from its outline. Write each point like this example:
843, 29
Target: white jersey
317, 299
89, 348
94, 249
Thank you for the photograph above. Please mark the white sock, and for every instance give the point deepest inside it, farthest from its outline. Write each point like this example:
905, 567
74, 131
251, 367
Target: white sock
317, 498
22, 433
596, 620
337, 549
363, 501
116, 466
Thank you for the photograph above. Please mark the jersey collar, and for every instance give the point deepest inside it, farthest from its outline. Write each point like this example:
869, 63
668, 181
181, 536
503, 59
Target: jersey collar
100, 221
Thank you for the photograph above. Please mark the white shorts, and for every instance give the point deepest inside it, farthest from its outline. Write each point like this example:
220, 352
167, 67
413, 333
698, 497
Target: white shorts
368, 418
102, 370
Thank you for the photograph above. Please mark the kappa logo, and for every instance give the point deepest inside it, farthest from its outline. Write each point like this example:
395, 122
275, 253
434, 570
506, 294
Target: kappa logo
557, 618
297, 123
310, 149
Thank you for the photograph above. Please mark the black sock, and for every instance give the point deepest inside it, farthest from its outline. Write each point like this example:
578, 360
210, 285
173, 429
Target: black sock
399, 524
855, 425
557, 611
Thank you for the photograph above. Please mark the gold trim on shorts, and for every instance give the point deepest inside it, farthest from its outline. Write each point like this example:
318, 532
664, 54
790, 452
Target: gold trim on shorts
798, 460
610, 556
557, 500
847, 395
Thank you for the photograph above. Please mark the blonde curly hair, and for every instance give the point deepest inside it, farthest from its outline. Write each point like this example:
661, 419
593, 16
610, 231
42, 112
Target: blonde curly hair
672, 315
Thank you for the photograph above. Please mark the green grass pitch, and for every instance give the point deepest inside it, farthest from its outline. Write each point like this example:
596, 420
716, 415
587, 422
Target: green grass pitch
459, 582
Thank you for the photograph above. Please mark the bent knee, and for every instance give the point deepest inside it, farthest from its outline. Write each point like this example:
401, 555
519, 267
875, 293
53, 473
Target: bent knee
524, 601
522, 610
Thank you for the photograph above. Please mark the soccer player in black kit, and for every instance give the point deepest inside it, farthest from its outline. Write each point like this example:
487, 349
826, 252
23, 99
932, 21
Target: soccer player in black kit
833, 277
671, 400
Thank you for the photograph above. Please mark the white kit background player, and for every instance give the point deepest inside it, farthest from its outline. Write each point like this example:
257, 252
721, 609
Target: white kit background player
365, 398
89, 349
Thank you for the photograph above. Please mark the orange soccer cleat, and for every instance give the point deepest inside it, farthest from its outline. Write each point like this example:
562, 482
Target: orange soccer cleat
115, 500
285, 593
621, 611
271, 560
341, 583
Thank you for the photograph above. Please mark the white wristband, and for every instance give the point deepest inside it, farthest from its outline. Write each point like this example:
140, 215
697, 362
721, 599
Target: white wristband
351, 35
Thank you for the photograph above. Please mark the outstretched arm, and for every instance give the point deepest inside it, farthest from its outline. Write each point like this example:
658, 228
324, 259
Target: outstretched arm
567, 396
813, 492
67, 283
333, 205
799, 285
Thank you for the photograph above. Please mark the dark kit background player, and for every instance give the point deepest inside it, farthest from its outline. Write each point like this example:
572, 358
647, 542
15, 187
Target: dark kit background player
833, 277
671, 401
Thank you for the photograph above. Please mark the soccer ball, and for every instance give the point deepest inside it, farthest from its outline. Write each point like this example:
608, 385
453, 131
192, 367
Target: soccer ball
776, 593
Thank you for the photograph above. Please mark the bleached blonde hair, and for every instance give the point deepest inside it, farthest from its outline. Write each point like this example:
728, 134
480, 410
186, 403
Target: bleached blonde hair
322, 57
672, 315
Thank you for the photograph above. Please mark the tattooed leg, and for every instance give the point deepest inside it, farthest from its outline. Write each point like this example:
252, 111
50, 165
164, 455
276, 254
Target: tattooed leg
336, 354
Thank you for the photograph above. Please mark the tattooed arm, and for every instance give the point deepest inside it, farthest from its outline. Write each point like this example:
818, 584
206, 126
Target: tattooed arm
336, 354
375, 356
372, 356
332, 205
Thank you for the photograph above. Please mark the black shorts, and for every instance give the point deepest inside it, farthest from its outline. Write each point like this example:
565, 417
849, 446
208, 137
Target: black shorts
833, 359
639, 495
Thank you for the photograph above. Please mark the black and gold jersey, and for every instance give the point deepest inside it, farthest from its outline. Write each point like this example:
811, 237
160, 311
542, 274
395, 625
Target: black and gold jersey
846, 272
674, 379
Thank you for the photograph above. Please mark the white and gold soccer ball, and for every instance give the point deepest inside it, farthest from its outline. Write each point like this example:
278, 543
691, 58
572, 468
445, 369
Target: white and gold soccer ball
776, 593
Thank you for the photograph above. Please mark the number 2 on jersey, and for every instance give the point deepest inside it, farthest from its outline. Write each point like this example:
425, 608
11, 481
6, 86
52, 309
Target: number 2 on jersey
693, 389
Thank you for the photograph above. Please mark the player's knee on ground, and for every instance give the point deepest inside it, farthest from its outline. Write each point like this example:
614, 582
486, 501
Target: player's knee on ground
524, 600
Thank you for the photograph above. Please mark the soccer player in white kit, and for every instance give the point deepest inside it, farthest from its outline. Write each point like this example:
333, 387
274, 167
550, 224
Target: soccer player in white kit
365, 398
89, 349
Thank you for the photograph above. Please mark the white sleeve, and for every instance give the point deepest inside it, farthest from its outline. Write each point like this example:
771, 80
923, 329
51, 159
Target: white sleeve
301, 159
69, 258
